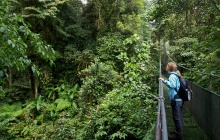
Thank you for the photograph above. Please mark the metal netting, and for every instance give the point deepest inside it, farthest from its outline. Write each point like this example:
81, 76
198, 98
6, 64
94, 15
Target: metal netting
205, 108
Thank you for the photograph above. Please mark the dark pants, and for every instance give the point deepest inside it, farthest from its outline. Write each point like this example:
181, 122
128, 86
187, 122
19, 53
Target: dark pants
177, 107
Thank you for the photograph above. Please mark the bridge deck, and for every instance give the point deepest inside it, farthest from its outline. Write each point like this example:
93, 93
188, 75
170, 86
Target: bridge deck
191, 129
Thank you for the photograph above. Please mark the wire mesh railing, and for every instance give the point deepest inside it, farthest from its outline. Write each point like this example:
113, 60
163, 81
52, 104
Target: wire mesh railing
205, 108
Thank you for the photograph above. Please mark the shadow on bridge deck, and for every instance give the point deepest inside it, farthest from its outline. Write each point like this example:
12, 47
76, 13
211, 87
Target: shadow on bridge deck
191, 129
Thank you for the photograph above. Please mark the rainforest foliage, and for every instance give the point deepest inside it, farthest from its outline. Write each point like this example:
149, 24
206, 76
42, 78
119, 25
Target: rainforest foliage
87, 71
190, 30
76, 71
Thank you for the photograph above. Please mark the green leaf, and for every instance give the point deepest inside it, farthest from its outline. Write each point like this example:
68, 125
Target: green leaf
22, 28
2, 29
39, 102
33, 69
62, 104
9, 42
1, 73
100, 134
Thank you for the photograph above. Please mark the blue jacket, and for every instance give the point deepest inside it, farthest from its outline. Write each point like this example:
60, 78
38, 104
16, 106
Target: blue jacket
172, 83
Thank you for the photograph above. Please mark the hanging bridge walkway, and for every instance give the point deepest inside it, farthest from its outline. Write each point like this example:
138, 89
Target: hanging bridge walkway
191, 131
201, 115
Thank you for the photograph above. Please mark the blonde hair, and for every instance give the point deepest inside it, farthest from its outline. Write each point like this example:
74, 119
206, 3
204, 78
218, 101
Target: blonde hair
173, 67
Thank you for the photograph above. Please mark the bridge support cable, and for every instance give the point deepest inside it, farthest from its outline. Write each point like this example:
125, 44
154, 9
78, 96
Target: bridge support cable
202, 73
211, 76
161, 124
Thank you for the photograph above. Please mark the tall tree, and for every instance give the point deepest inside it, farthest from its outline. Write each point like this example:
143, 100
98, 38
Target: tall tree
192, 28
18, 37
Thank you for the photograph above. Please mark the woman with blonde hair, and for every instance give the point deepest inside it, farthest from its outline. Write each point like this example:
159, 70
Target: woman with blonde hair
173, 85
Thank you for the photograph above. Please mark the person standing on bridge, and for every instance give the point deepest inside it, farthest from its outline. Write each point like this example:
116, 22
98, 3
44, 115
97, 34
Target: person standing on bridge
173, 85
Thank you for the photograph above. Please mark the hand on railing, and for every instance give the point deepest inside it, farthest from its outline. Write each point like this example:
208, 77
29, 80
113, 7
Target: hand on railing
161, 79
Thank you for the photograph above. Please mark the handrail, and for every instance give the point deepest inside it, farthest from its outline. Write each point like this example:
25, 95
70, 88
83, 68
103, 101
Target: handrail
161, 125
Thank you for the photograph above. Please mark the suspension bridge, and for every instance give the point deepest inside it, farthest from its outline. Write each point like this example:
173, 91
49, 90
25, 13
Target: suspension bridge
201, 115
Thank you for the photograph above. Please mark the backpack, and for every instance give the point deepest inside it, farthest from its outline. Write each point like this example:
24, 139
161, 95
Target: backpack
185, 92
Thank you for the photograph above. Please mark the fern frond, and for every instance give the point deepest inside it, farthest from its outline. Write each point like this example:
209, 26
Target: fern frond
33, 10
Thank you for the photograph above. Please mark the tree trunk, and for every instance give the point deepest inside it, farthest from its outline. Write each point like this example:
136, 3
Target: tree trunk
10, 77
34, 83
99, 19
187, 20
36, 87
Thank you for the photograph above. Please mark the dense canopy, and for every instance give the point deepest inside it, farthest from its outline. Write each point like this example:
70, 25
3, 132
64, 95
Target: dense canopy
72, 69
